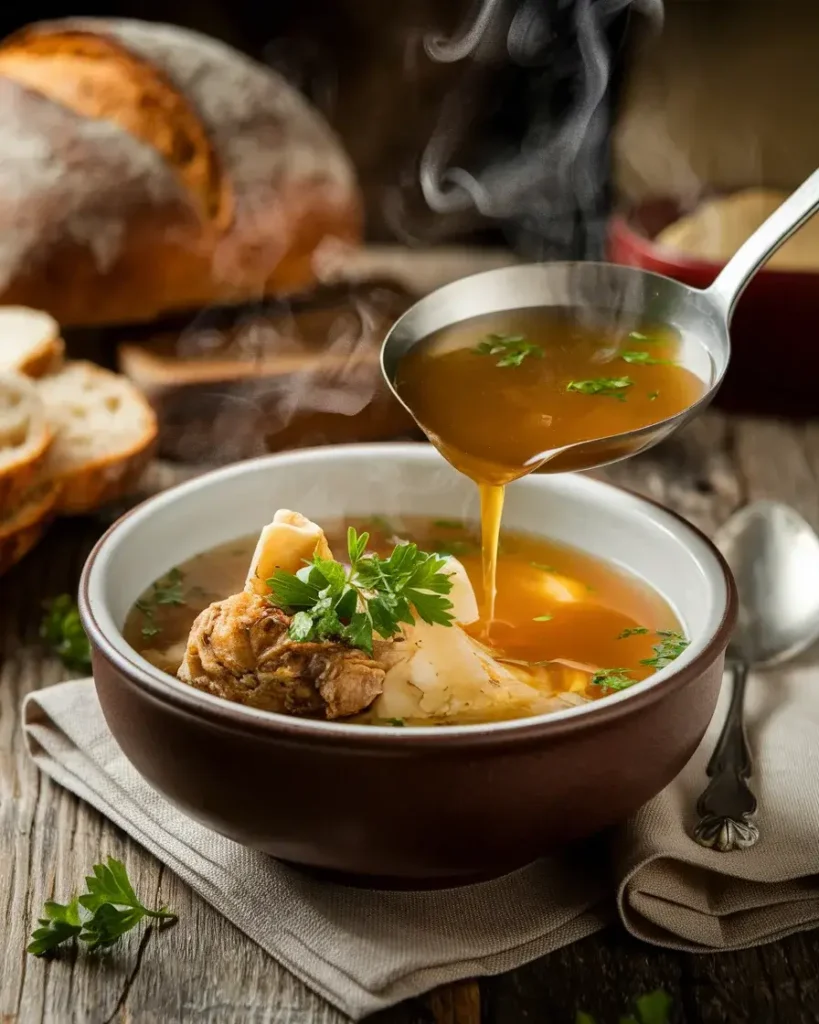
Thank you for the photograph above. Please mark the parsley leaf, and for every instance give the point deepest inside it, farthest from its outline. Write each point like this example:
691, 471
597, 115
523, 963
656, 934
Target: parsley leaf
62, 630
654, 1008
166, 591
610, 387
61, 922
448, 524
614, 679
653, 395
543, 618
634, 631
512, 348
644, 359
329, 601
643, 339
671, 646
111, 906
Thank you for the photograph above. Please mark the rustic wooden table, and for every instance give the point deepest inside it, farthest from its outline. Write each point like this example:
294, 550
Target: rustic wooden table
204, 970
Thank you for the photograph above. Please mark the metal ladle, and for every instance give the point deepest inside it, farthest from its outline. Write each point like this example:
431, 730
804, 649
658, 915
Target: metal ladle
774, 556
623, 297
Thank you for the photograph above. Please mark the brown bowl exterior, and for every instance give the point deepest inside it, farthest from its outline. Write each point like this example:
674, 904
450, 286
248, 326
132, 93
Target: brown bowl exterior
424, 810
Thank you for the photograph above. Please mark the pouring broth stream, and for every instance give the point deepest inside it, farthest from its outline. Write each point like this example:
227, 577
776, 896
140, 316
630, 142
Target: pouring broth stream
505, 394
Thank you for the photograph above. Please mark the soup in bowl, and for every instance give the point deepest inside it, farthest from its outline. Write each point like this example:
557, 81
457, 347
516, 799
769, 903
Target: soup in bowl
422, 753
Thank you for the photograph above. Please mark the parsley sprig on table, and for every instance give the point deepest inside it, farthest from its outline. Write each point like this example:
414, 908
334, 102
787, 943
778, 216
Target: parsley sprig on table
62, 630
610, 387
652, 1008
99, 917
373, 595
512, 348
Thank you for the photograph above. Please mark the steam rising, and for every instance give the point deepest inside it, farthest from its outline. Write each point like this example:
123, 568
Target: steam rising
534, 184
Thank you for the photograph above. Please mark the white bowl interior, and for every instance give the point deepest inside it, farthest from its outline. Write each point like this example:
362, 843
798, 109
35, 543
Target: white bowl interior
325, 483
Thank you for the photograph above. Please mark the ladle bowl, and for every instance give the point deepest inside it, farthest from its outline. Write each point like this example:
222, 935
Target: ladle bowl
620, 297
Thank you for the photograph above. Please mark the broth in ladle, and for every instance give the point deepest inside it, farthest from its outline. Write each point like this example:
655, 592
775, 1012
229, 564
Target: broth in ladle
500, 395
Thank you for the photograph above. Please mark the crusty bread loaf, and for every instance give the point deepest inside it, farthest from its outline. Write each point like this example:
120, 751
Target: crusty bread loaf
146, 168
104, 432
24, 438
22, 525
30, 341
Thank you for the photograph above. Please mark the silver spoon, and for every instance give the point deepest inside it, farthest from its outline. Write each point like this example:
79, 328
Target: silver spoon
774, 556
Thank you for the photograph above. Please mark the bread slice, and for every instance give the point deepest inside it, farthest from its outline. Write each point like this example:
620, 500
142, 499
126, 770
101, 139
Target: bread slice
23, 526
24, 438
30, 341
104, 432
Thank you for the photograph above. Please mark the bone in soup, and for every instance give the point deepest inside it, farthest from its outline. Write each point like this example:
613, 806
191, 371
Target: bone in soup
390, 633
500, 395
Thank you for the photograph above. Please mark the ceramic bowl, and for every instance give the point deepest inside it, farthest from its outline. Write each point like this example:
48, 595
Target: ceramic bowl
425, 806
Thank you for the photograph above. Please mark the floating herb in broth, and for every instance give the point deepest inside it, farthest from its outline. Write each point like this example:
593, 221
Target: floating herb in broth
498, 393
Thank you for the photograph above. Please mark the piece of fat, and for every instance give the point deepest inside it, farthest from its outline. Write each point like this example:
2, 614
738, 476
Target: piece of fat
286, 543
558, 588
442, 672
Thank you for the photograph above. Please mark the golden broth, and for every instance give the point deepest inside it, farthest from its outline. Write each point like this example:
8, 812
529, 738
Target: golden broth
498, 393
553, 602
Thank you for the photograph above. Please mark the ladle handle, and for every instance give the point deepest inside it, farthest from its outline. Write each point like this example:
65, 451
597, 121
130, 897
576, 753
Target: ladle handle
763, 243
726, 806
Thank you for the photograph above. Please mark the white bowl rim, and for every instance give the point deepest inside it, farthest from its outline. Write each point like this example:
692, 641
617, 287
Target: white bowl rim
99, 623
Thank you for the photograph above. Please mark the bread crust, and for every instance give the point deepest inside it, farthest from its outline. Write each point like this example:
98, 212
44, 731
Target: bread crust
18, 475
22, 530
114, 224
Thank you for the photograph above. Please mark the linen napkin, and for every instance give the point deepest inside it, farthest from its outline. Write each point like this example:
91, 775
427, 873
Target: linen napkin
362, 950
675, 893
366, 950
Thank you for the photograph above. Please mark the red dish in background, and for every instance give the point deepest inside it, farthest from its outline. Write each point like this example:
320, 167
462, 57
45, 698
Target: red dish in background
775, 331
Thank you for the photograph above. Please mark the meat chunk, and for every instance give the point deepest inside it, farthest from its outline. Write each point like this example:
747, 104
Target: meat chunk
239, 649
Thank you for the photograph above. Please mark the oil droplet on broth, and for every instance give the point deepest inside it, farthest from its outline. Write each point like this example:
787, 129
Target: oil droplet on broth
500, 395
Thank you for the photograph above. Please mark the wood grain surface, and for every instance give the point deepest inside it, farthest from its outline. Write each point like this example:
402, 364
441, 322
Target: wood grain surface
204, 970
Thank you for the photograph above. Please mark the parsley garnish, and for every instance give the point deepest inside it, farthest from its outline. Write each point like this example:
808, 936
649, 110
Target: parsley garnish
111, 907
329, 601
512, 348
165, 591
448, 524
397, 722
543, 618
644, 339
613, 679
62, 630
671, 646
652, 1008
652, 395
644, 359
611, 387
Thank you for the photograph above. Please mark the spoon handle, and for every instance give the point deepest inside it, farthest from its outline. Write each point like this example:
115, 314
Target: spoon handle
763, 243
727, 803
